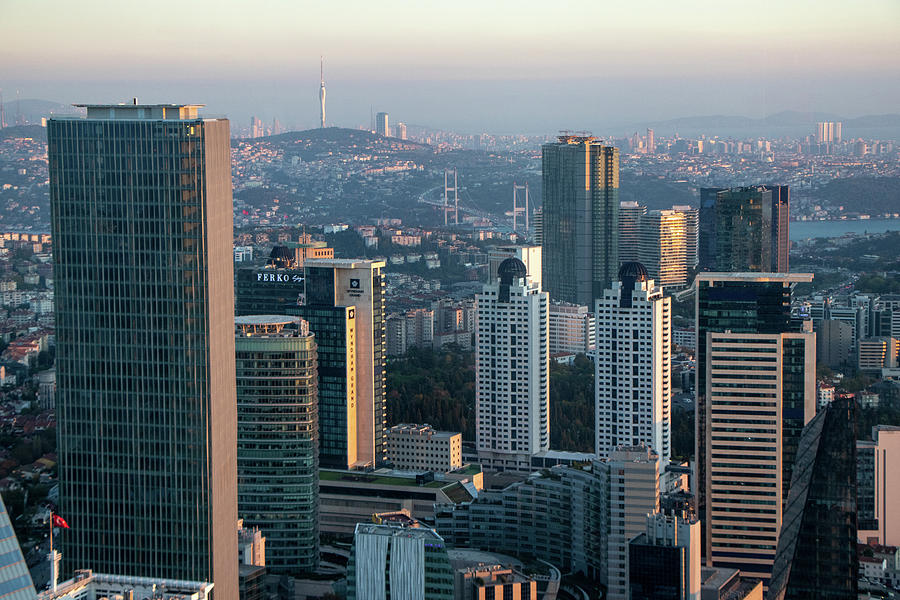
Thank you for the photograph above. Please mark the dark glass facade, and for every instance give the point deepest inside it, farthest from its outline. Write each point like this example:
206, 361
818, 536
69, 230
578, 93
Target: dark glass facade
334, 327
744, 229
655, 572
817, 556
278, 432
267, 291
143, 271
580, 242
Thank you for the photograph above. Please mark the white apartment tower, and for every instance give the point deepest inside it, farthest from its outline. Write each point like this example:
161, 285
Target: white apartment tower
632, 382
512, 370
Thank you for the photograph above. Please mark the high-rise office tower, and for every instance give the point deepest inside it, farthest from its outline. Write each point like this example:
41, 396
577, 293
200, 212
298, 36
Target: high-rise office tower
511, 370
665, 246
278, 438
401, 130
382, 125
345, 310
828, 132
581, 218
745, 229
632, 370
751, 355
142, 242
630, 214
651, 142
817, 547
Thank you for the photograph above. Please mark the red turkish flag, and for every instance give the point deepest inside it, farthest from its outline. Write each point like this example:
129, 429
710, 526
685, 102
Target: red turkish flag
58, 521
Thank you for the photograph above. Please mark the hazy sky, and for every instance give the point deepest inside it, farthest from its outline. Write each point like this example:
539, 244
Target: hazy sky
494, 65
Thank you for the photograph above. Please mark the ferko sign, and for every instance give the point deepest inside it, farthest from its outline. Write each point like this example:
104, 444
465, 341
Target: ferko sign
278, 278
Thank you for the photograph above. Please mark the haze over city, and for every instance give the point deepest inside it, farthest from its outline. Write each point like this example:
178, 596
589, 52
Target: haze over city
498, 67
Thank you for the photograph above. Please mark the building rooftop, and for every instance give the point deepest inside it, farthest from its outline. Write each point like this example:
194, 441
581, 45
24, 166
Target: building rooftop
271, 326
344, 263
760, 277
393, 529
140, 111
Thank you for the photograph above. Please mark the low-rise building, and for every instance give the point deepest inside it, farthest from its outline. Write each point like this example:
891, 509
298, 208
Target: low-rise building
88, 585
350, 497
422, 448
493, 582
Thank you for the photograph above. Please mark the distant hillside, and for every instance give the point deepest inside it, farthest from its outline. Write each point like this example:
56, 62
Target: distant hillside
313, 143
872, 195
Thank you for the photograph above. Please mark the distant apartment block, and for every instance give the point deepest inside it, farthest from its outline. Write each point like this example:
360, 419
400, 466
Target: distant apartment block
413, 329
571, 328
685, 337
876, 354
530, 255
421, 448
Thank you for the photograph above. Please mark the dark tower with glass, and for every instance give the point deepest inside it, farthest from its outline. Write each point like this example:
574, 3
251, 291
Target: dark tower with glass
580, 240
142, 242
817, 549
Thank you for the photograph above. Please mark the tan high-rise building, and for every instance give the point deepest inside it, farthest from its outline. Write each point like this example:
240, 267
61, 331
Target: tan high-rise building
748, 402
666, 246
345, 310
142, 241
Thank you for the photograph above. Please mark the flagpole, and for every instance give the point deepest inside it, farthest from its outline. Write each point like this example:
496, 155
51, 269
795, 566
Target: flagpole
54, 560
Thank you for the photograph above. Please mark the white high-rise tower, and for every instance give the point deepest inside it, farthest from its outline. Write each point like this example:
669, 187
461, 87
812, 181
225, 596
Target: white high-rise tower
322, 90
512, 370
633, 388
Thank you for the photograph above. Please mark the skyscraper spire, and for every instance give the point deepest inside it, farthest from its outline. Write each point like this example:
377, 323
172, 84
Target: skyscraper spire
322, 90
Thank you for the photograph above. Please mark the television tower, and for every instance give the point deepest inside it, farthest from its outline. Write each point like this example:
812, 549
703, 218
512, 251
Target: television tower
322, 90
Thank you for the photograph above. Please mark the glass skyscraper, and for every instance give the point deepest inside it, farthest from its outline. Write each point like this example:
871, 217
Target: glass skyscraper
278, 434
745, 229
142, 240
817, 550
580, 238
